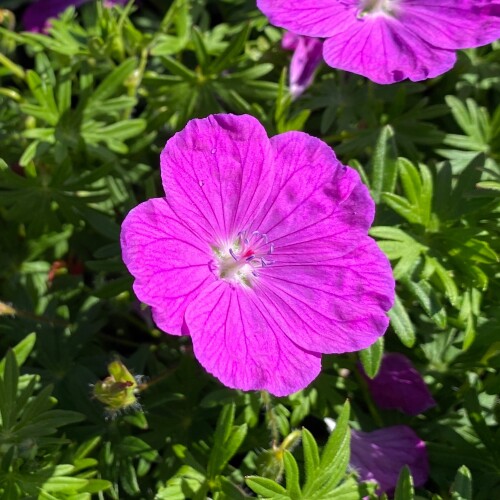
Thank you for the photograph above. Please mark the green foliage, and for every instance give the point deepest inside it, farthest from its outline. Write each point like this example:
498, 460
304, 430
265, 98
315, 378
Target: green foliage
27, 426
324, 475
462, 487
198, 479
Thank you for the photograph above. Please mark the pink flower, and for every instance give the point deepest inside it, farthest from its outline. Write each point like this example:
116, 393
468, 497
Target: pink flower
380, 455
307, 55
390, 40
259, 251
36, 16
399, 386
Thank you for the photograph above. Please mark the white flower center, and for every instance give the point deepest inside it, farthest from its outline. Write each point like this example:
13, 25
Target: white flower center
378, 7
239, 260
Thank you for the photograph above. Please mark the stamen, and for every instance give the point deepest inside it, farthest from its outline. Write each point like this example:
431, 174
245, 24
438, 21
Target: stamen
241, 259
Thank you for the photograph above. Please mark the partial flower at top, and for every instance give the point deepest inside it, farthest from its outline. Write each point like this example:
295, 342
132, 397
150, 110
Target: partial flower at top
37, 15
390, 40
398, 385
307, 55
259, 251
380, 455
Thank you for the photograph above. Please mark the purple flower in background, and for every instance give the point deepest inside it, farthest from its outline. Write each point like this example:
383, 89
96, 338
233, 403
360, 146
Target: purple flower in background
380, 455
36, 16
259, 251
307, 55
390, 40
398, 385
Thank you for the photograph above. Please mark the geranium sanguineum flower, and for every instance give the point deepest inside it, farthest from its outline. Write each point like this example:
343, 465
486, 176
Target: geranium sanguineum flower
259, 251
380, 455
307, 55
36, 16
390, 40
398, 385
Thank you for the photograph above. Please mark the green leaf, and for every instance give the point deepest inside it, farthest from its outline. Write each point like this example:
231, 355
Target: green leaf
8, 391
404, 488
334, 459
372, 357
384, 165
401, 206
425, 198
114, 81
311, 455
292, 476
227, 440
348, 490
462, 486
28, 154
401, 323
476, 418
428, 299
44, 94
267, 488
495, 185
178, 69
64, 484
234, 48
199, 48
21, 351
39, 404
444, 276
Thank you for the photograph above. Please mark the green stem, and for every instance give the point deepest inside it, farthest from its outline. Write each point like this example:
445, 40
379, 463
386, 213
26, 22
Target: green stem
366, 394
272, 421
13, 67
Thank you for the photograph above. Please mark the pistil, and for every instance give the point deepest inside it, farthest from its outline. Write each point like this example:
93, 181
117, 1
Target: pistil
239, 261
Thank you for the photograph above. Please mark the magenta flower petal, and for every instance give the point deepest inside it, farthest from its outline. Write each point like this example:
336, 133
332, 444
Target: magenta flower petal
380, 455
330, 306
216, 173
398, 385
238, 341
260, 252
315, 198
290, 41
308, 54
452, 24
316, 18
37, 14
390, 40
328, 277
385, 51
169, 265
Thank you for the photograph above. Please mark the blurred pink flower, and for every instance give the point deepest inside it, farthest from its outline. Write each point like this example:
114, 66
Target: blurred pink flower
307, 55
37, 15
390, 40
380, 455
398, 385
259, 251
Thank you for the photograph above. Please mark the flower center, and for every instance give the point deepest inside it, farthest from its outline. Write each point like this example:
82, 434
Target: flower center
377, 7
239, 260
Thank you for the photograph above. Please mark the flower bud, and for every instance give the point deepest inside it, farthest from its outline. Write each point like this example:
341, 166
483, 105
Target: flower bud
119, 390
270, 463
6, 310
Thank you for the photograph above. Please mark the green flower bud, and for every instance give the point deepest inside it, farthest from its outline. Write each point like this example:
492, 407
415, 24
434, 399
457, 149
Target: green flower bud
270, 463
118, 391
6, 310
